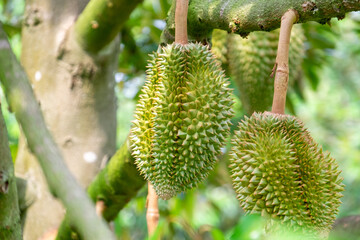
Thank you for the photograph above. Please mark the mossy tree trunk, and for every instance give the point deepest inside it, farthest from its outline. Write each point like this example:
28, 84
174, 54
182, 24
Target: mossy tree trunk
10, 224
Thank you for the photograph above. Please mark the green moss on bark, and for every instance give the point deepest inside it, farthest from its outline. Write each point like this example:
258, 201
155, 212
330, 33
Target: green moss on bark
101, 21
117, 183
10, 224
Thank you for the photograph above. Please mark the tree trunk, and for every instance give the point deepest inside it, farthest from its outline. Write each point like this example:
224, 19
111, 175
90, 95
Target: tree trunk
10, 224
76, 93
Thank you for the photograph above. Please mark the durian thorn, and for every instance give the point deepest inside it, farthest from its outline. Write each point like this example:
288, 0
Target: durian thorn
181, 12
152, 213
282, 61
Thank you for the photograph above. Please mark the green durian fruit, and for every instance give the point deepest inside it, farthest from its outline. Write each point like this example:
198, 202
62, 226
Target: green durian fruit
182, 118
280, 172
219, 46
251, 61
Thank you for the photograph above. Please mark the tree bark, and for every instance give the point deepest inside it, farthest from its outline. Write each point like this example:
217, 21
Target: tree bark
76, 93
245, 16
10, 224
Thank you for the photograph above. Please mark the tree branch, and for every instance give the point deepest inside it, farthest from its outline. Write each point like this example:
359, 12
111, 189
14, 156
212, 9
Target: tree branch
61, 182
115, 186
101, 21
245, 16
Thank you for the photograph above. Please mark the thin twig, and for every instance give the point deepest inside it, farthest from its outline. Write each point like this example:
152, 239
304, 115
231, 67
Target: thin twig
282, 62
181, 21
152, 214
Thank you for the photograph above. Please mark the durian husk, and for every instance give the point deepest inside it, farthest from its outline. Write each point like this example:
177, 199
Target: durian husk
251, 61
182, 118
280, 172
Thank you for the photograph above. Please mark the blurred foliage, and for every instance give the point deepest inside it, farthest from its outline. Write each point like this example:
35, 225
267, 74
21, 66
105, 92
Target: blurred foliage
11, 125
321, 40
328, 101
11, 14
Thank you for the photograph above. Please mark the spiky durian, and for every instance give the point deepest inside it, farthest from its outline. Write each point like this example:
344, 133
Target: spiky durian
182, 118
219, 46
280, 172
251, 61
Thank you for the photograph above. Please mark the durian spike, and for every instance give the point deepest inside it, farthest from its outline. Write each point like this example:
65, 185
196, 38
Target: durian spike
181, 12
282, 62
152, 213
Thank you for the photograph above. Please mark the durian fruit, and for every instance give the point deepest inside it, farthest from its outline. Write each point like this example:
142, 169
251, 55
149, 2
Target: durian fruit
219, 46
182, 119
251, 61
280, 172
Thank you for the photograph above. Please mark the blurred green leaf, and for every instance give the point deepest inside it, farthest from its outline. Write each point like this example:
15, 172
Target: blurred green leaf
217, 234
249, 227
10, 29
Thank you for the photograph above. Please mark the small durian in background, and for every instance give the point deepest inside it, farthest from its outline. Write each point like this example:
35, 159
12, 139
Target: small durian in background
280, 172
219, 46
251, 61
182, 118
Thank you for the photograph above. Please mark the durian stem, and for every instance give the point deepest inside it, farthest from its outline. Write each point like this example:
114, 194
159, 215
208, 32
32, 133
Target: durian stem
152, 213
100, 207
181, 21
282, 62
